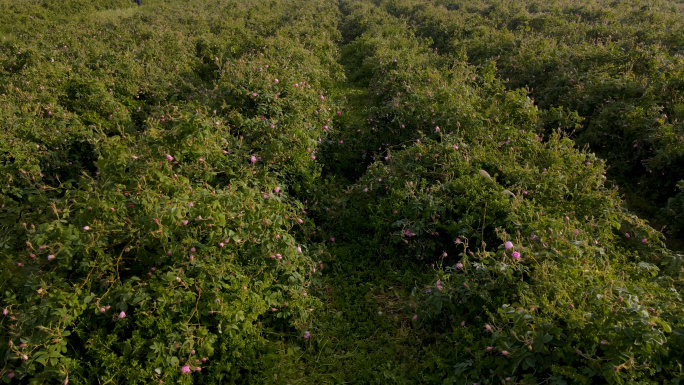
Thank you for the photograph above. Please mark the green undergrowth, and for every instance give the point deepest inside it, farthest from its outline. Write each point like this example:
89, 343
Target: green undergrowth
365, 332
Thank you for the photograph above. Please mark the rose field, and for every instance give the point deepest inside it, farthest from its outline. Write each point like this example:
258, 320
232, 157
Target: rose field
342, 192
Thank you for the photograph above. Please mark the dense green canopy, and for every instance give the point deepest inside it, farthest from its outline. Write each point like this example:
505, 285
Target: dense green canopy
354, 191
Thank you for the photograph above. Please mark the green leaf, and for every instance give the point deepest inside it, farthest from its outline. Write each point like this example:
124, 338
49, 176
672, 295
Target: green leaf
665, 325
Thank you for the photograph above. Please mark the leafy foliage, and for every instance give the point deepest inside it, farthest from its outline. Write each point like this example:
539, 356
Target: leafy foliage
177, 176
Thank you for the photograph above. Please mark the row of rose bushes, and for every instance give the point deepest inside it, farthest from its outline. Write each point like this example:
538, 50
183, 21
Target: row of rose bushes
608, 73
149, 229
541, 274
